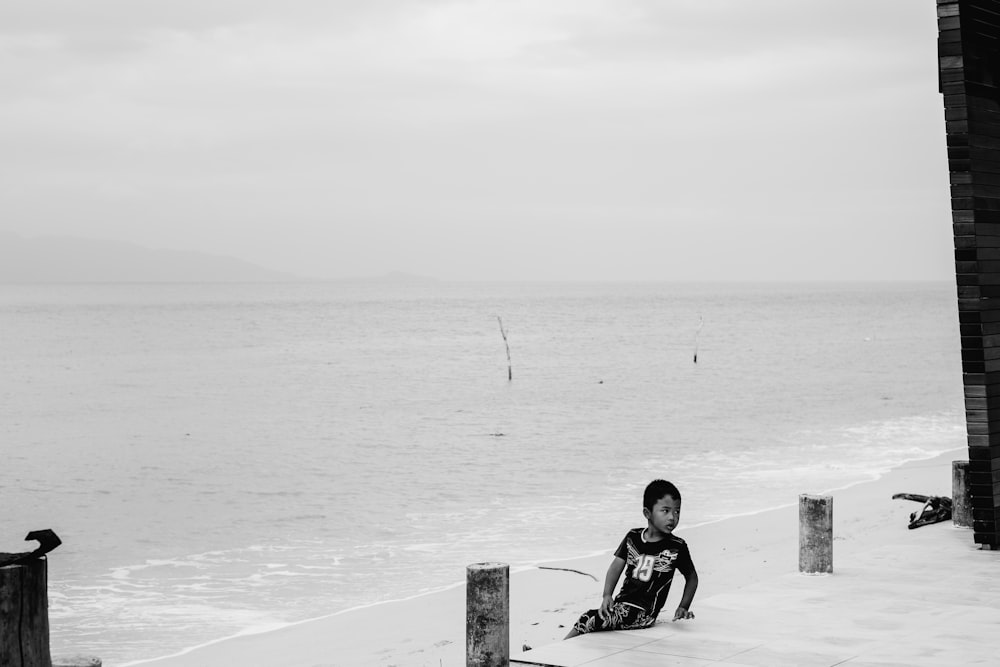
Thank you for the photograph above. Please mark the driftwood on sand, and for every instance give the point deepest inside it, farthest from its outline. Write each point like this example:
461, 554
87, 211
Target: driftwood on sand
935, 509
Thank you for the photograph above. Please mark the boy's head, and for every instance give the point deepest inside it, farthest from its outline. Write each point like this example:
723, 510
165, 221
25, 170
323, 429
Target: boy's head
661, 505
656, 489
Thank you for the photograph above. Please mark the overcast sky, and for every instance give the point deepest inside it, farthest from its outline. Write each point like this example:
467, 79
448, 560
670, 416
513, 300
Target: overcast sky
485, 139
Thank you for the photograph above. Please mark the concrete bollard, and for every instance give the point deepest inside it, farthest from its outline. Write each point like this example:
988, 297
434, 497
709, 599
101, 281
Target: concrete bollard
487, 615
961, 502
815, 534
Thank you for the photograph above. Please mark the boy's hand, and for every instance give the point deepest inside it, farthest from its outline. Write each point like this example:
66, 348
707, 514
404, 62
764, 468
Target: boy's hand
682, 614
605, 609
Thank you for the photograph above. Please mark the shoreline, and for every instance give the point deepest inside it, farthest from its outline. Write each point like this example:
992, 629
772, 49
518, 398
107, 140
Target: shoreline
429, 628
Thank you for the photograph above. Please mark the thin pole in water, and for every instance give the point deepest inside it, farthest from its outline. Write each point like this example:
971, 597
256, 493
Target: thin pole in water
510, 373
701, 322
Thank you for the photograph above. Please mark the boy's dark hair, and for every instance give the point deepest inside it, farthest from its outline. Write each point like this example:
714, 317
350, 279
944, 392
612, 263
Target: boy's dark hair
656, 490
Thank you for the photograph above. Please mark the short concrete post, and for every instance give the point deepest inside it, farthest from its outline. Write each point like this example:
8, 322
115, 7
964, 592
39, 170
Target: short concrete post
815, 534
961, 503
487, 615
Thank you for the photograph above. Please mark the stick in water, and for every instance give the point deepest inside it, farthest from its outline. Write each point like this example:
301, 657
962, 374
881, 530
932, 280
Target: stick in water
510, 373
701, 322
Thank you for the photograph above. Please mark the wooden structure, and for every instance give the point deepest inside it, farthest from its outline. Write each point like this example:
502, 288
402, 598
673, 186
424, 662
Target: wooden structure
961, 511
815, 534
487, 615
969, 61
24, 615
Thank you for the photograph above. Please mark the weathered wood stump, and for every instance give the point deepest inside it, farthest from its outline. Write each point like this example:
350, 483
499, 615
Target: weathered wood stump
815, 534
487, 615
961, 501
24, 615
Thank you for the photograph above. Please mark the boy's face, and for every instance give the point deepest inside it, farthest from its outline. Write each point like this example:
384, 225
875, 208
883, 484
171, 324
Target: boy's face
665, 515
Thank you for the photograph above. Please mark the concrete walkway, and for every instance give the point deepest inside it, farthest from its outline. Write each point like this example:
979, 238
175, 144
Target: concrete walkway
932, 598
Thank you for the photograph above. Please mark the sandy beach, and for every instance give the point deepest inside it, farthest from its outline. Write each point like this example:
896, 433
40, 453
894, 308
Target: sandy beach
730, 554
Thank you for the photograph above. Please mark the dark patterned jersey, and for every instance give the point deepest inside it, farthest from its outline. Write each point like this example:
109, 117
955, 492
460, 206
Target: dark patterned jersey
650, 567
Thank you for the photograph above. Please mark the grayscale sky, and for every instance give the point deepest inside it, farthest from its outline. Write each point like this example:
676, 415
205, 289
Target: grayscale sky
485, 139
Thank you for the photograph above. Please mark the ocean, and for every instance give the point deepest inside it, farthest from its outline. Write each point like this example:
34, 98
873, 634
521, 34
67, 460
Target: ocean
229, 458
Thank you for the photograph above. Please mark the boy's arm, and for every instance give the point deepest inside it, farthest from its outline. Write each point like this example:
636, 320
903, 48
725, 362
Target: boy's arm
610, 581
690, 587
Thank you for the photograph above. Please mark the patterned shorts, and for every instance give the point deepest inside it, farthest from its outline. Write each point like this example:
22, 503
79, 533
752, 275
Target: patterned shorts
621, 616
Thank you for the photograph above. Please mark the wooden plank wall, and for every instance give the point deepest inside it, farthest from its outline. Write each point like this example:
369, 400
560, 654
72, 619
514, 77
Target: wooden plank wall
969, 61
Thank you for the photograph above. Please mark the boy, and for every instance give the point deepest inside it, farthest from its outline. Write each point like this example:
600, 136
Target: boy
649, 557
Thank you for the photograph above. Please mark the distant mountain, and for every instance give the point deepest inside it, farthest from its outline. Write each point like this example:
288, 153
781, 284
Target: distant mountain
58, 259
400, 277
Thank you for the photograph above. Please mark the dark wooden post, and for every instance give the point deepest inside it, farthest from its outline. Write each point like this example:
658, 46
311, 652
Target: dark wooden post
815, 534
961, 509
969, 79
24, 615
487, 615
